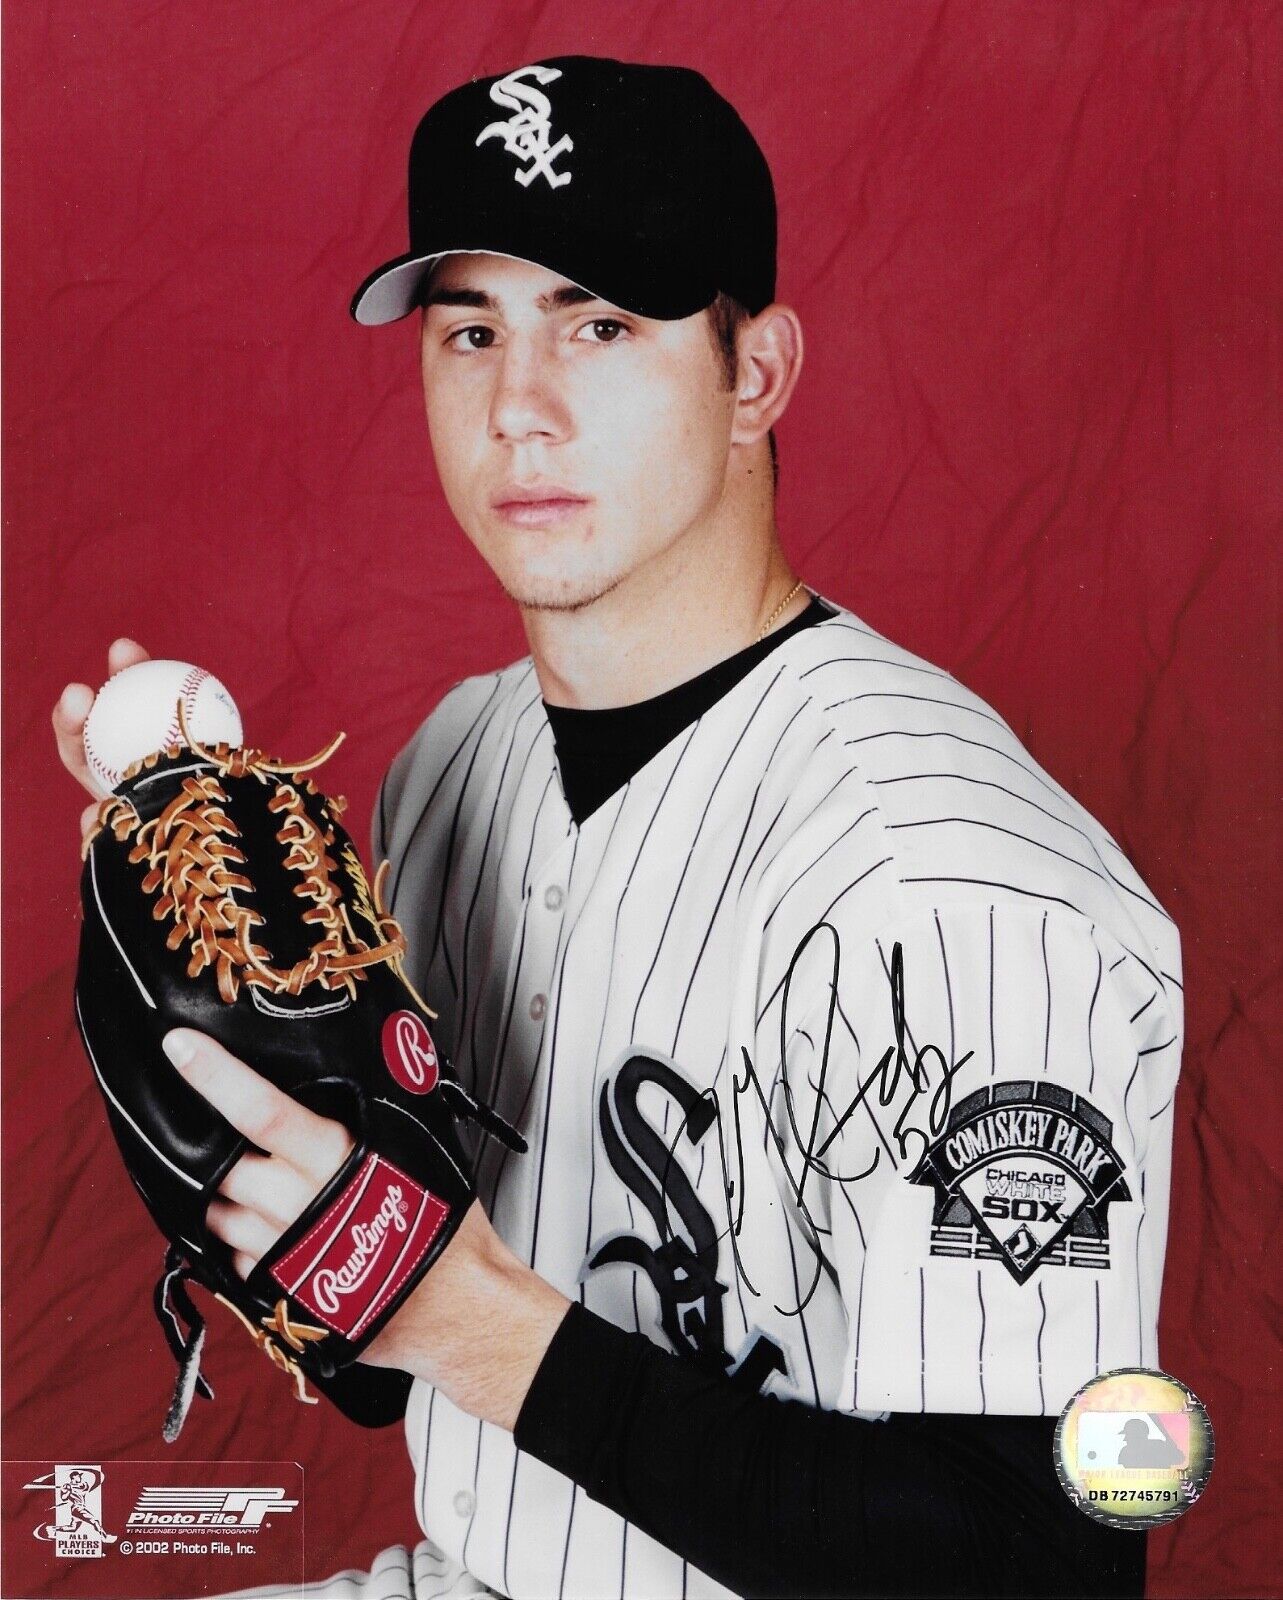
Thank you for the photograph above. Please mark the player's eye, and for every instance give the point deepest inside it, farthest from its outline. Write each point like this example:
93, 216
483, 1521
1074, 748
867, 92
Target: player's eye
602, 330
474, 337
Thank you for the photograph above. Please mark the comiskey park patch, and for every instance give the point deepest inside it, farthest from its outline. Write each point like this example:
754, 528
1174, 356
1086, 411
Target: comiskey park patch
1024, 1174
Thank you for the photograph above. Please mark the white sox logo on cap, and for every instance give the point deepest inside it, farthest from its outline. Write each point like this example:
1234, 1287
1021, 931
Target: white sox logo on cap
526, 134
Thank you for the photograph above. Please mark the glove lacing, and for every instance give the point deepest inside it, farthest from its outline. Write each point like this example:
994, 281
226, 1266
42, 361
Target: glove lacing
189, 856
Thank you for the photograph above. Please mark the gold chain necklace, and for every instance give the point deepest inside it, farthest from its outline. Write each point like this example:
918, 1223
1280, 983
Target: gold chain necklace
779, 611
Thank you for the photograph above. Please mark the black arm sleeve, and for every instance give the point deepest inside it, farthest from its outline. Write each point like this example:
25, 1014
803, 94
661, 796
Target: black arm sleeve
772, 1497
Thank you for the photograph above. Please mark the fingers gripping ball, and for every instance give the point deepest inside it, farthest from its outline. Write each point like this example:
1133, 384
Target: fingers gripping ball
221, 892
136, 714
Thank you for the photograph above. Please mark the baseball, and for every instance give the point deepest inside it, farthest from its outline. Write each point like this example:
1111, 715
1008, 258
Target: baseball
136, 713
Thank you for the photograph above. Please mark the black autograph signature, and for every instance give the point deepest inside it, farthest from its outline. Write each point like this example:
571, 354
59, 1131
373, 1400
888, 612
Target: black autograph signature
917, 1073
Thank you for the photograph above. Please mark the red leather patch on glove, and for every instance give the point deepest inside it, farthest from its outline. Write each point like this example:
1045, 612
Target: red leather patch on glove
356, 1256
410, 1053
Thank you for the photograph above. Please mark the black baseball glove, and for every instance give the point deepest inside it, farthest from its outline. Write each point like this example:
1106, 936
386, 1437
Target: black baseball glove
220, 892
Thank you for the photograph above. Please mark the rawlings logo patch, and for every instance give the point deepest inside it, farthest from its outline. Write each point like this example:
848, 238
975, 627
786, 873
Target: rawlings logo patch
1024, 1173
355, 1258
409, 1052
332, 1284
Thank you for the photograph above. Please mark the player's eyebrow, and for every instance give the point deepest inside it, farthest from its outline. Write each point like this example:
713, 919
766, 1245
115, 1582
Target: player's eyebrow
569, 294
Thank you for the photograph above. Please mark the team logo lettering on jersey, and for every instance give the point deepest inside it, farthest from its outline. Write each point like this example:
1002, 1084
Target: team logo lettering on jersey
1024, 1173
682, 1270
527, 133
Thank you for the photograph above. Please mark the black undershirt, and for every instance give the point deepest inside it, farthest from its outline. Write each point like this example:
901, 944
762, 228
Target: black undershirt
770, 1496
599, 751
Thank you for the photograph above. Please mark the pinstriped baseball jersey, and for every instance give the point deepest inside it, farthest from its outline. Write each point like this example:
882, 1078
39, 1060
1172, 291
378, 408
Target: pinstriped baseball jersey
845, 1043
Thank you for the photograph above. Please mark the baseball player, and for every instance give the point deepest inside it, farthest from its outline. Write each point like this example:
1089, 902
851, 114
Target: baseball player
73, 1493
843, 1039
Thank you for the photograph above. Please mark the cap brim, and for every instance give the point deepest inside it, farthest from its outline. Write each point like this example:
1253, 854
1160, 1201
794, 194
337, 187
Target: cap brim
392, 290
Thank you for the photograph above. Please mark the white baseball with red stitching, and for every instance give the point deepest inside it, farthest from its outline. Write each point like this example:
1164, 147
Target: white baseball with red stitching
135, 713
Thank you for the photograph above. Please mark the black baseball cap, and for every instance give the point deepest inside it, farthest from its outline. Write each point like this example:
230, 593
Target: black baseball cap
641, 184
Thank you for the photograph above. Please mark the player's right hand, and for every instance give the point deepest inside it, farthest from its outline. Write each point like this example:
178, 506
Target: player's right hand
70, 714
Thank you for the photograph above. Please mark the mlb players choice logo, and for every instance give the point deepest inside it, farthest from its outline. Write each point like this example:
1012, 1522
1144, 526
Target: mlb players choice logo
1134, 1448
76, 1528
1025, 1173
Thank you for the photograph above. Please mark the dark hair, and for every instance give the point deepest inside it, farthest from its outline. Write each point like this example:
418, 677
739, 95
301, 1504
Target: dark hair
726, 316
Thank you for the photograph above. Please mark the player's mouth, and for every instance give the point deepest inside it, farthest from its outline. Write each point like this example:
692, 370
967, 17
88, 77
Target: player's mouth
540, 505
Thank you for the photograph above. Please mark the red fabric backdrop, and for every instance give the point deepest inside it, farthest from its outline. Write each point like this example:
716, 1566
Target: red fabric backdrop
1035, 247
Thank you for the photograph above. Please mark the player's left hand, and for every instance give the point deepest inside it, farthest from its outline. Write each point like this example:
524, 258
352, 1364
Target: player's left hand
262, 1195
476, 1283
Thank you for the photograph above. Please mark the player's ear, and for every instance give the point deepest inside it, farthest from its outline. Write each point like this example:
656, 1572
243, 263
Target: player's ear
770, 359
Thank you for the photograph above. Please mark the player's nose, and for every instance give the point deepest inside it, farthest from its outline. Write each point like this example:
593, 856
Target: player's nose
526, 403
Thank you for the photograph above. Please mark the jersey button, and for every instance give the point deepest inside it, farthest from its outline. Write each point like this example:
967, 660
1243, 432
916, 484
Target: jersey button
465, 1502
553, 898
538, 1005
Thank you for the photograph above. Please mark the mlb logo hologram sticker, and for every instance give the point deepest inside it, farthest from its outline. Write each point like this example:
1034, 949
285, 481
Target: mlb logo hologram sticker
1134, 1448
